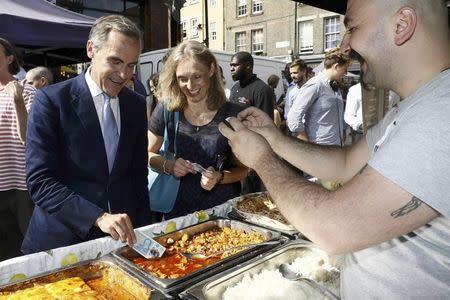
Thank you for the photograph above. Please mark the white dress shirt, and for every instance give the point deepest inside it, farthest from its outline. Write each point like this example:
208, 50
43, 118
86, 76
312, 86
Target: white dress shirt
97, 96
353, 108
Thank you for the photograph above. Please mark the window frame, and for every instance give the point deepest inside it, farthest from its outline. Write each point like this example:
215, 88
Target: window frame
257, 3
259, 44
241, 8
240, 36
310, 48
213, 31
184, 29
194, 28
336, 33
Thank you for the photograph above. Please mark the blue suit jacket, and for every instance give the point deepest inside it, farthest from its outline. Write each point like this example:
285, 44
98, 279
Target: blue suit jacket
67, 169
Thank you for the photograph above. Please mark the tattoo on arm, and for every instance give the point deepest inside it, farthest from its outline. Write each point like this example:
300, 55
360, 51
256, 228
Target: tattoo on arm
409, 207
363, 168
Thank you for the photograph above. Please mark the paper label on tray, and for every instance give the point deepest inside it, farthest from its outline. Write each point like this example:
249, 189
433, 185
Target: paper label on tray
147, 247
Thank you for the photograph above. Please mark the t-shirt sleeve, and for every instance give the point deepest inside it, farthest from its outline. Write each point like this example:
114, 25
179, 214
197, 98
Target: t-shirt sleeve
414, 153
156, 122
264, 100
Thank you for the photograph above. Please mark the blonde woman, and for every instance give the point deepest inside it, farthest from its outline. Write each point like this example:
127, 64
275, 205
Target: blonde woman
191, 84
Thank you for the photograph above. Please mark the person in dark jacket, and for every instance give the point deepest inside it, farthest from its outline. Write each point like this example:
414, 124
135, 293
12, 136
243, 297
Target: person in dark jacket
87, 147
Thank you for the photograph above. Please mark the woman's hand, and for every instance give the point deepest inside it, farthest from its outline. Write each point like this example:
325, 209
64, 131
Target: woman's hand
210, 178
180, 167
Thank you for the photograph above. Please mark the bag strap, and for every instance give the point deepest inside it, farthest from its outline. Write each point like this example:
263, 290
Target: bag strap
166, 133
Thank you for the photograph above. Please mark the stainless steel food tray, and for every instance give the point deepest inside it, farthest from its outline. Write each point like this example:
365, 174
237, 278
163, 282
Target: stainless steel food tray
262, 221
91, 269
174, 286
214, 287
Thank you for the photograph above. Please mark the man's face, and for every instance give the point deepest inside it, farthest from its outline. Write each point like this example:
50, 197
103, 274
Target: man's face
37, 83
297, 74
339, 71
113, 64
237, 69
366, 40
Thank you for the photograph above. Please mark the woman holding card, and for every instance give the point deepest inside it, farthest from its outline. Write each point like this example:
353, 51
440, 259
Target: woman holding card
191, 84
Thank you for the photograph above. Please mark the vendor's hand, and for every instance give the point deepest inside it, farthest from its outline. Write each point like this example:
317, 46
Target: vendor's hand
210, 178
15, 90
259, 122
118, 226
182, 167
248, 146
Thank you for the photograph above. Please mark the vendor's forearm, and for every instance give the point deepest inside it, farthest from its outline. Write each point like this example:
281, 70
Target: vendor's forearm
325, 162
297, 199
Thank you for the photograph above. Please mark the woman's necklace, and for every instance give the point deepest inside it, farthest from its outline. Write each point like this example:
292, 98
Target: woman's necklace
199, 119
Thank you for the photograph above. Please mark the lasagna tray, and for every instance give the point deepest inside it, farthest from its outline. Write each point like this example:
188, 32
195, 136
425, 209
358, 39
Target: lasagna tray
100, 279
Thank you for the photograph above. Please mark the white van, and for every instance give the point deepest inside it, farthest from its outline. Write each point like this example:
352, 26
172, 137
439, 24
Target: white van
151, 62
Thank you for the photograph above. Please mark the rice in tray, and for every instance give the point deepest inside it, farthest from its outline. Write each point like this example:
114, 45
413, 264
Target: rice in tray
270, 284
320, 267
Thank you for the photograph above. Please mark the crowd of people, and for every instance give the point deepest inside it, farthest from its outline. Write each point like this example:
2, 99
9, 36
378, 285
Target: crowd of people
74, 155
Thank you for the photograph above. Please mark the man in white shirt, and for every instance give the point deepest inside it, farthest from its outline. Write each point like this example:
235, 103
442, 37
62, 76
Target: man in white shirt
353, 112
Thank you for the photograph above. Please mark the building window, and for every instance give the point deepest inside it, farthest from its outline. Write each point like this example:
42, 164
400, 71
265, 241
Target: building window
257, 7
194, 27
213, 31
213, 3
257, 42
183, 26
306, 41
241, 8
332, 33
241, 41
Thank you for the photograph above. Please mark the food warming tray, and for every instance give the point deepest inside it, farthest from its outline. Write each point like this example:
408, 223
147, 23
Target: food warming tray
213, 288
259, 220
116, 279
174, 286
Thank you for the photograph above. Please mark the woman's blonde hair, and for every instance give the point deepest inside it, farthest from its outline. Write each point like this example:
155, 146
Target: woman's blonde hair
168, 88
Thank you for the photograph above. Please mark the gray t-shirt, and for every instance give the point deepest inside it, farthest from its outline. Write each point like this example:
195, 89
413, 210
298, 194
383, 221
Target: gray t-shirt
410, 147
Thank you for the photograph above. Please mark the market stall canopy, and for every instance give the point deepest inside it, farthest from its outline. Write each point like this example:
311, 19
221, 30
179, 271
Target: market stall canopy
337, 6
40, 28
340, 6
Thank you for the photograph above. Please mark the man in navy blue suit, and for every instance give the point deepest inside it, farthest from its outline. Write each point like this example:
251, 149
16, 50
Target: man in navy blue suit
87, 147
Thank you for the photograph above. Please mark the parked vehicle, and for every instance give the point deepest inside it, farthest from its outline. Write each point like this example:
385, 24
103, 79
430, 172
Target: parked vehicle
151, 62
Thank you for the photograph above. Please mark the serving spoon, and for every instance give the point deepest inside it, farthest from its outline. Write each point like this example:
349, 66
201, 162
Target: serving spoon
289, 273
202, 256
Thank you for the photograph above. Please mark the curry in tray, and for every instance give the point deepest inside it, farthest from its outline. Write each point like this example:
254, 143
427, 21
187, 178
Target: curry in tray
174, 265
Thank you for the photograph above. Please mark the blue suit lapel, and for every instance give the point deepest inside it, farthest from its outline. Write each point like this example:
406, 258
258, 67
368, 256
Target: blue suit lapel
84, 107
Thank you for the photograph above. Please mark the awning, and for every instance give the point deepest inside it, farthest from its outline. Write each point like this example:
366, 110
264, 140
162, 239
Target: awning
337, 6
42, 29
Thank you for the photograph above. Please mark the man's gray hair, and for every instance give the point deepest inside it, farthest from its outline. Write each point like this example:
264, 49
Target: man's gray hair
104, 25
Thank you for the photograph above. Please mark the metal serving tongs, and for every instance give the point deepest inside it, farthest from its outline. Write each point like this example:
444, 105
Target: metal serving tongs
202, 256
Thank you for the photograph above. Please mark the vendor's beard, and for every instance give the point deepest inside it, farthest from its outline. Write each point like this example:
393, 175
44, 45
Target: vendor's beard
367, 79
